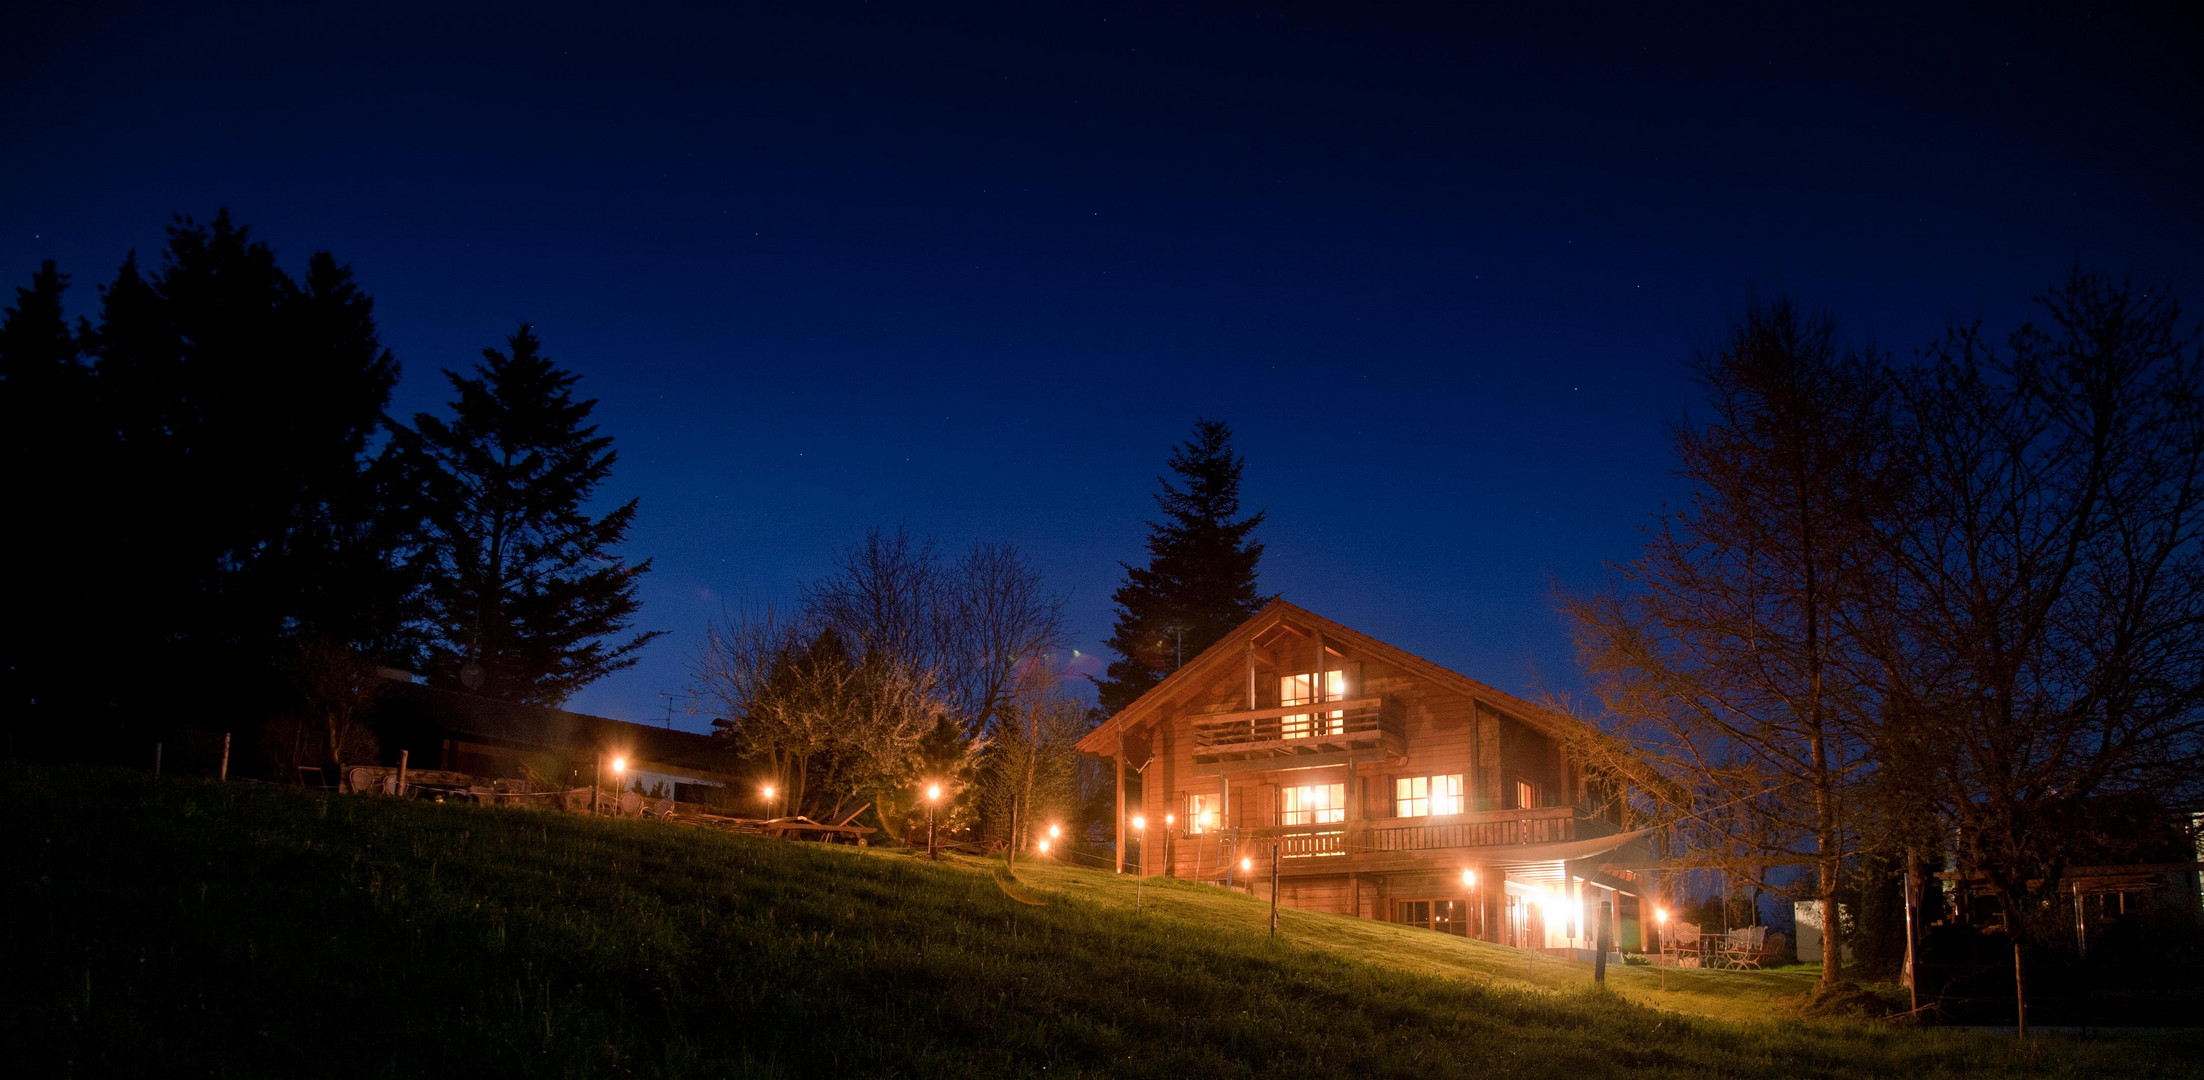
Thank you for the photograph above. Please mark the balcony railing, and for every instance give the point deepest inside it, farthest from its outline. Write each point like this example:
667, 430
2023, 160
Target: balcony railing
1484, 829
1297, 729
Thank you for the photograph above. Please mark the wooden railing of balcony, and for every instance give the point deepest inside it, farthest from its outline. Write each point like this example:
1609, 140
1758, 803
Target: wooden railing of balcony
1293, 729
1485, 829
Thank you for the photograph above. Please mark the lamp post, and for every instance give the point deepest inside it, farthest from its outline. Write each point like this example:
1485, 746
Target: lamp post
767, 793
1660, 916
1469, 889
1274, 888
933, 799
597, 782
1170, 837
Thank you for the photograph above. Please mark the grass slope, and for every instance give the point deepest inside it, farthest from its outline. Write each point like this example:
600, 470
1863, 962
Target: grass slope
180, 928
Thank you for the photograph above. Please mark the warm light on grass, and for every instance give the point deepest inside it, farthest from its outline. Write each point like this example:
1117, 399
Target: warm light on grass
452, 901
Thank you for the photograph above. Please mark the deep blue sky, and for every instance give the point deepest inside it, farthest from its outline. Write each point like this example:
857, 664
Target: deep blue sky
975, 269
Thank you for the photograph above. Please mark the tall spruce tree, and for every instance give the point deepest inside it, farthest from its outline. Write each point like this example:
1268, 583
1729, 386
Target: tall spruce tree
44, 393
528, 601
208, 496
1200, 579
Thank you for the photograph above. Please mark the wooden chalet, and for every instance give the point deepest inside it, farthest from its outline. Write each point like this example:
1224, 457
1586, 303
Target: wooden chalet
1388, 787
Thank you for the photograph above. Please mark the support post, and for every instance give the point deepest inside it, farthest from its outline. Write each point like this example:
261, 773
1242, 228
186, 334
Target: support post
1599, 943
1120, 830
402, 773
224, 775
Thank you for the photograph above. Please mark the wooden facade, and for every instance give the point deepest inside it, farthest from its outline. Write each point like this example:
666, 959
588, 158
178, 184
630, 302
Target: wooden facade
1381, 784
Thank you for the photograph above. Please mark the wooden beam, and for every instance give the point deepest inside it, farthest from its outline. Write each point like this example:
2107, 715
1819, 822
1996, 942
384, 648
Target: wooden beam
1120, 830
1251, 676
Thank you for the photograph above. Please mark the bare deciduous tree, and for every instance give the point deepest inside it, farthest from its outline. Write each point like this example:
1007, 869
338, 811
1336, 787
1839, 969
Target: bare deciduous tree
1029, 777
334, 687
2046, 641
830, 725
972, 621
1724, 646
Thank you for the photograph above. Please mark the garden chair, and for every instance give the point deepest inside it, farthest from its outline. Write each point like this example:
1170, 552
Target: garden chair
1741, 947
631, 804
1680, 944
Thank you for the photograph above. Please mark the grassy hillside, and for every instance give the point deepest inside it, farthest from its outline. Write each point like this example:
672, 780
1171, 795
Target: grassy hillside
182, 928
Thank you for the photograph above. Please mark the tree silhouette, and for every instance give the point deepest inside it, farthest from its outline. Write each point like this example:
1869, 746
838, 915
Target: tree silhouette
527, 599
1200, 579
213, 478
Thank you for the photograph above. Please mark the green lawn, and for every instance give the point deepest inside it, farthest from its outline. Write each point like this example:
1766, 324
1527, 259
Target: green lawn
183, 928
1721, 995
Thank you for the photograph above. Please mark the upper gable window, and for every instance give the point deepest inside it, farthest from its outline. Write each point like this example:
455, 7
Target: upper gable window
1301, 690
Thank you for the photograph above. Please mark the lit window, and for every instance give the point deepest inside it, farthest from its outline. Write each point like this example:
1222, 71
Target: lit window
1412, 796
1446, 794
1526, 794
1444, 916
1422, 796
1201, 814
1315, 804
1301, 690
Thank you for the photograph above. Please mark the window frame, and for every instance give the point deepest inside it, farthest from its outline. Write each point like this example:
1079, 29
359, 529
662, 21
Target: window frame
1293, 814
1438, 791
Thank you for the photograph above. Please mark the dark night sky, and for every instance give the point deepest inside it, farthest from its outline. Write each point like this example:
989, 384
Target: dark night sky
976, 269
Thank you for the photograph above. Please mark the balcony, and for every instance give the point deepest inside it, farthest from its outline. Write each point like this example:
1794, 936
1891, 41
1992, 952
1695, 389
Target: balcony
1298, 730
1389, 844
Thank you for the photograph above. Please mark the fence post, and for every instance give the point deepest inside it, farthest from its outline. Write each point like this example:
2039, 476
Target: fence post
402, 773
224, 775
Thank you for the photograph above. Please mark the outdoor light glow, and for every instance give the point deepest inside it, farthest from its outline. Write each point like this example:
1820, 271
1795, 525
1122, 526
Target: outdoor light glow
1247, 864
933, 793
1053, 831
1469, 879
1660, 915
1044, 847
1170, 819
768, 791
1140, 823
619, 764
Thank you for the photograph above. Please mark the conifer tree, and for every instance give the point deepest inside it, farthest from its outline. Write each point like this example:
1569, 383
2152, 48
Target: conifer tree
44, 389
1200, 579
210, 495
529, 603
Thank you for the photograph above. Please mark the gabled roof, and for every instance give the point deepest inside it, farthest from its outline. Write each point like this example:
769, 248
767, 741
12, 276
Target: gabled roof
1225, 655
